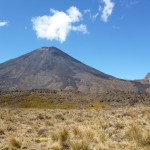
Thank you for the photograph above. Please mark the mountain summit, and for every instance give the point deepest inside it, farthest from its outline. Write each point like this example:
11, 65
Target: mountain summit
51, 68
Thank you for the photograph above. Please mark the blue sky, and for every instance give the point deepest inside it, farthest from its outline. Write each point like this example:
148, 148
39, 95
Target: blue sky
112, 36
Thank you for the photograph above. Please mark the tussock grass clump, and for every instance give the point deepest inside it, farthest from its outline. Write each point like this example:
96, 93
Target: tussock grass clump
77, 132
119, 126
146, 140
79, 145
49, 123
97, 106
140, 136
2, 132
42, 132
15, 143
64, 135
74, 138
56, 146
60, 116
134, 133
55, 136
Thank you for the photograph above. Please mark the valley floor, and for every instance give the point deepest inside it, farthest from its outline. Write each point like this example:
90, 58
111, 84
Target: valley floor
107, 128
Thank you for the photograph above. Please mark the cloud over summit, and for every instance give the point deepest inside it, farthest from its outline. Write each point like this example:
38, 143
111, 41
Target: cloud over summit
3, 23
58, 25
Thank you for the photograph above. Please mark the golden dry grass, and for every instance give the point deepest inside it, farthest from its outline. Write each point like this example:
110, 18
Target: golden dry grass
105, 128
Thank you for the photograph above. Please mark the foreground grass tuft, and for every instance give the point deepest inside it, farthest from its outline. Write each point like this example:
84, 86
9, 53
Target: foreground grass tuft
15, 143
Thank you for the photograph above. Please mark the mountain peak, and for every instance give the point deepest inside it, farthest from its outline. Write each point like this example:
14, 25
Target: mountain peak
45, 48
50, 51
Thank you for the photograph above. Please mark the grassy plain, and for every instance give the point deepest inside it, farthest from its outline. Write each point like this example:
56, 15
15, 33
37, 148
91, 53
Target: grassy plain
92, 128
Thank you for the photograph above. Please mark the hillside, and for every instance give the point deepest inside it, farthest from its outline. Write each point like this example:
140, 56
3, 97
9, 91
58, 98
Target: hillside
51, 68
71, 100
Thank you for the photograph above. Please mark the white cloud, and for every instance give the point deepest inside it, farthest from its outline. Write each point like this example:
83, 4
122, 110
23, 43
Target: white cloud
3, 23
99, 8
107, 10
97, 14
58, 25
129, 3
87, 11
